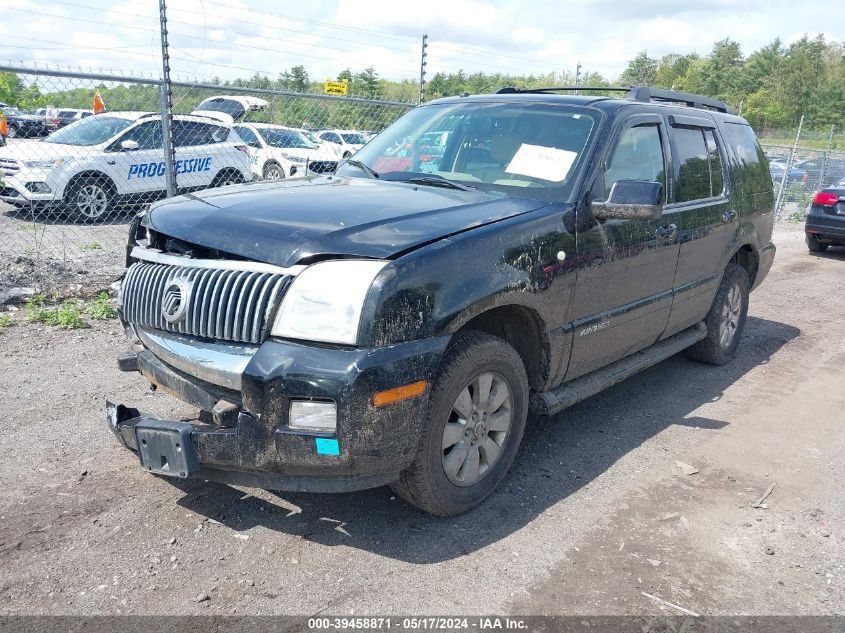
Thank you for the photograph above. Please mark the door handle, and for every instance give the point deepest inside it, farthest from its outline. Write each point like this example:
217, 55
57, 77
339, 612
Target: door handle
665, 232
729, 216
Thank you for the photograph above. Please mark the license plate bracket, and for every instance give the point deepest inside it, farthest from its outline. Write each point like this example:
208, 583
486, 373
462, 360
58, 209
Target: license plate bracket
165, 448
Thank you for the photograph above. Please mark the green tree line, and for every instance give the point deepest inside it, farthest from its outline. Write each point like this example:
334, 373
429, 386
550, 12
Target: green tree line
772, 87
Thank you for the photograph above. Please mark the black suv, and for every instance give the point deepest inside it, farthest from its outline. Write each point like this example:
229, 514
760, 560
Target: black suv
395, 323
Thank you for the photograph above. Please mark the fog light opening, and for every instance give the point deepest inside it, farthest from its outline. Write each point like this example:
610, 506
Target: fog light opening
313, 415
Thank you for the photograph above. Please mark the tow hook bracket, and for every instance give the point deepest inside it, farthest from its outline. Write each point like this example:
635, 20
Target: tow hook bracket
128, 361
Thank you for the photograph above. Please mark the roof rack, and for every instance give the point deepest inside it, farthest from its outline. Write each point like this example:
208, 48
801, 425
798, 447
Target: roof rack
635, 93
645, 93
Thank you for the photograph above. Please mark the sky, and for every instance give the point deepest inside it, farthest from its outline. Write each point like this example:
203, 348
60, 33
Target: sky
234, 38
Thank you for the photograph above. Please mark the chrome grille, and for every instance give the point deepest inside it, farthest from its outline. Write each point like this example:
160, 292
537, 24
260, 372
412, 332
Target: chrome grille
223, 304
8, 166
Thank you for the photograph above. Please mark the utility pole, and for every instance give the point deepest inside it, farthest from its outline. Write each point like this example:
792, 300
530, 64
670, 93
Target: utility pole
577, 77
166, 105
423, 64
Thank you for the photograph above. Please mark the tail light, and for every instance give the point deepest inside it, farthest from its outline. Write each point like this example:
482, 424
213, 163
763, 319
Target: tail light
825, 199
242, 148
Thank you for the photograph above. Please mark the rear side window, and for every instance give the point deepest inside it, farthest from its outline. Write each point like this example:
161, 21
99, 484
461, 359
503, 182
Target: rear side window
742, 140
188, 133
698, 164
714, 156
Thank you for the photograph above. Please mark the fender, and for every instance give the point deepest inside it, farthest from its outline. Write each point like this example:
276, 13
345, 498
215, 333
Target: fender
515, 264
90, 173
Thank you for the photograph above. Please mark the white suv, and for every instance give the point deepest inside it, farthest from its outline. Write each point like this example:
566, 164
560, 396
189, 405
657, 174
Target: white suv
346, 142
280, 152
116, 159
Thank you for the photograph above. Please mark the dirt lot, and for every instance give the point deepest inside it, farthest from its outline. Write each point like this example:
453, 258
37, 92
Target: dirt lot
594, 513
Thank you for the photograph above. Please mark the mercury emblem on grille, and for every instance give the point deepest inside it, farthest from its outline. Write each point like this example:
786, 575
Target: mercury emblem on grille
175, 300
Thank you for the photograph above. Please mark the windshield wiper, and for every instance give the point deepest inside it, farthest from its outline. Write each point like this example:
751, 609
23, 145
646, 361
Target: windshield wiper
372, 173
436, 181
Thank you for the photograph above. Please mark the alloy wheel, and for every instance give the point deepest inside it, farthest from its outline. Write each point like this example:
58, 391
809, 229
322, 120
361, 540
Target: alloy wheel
731, 315
92, 201
475, 432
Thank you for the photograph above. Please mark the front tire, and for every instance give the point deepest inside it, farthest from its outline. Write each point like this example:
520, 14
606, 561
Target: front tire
814, 245
226, 178
89, 198
13, 131
726, 319
476, 417
273, 171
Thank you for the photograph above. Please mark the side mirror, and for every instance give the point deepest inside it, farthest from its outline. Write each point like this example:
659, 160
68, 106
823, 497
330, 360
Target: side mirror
129, 145
631, 200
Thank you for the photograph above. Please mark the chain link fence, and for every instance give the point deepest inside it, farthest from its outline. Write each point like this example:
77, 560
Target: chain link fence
70, 180
798, 173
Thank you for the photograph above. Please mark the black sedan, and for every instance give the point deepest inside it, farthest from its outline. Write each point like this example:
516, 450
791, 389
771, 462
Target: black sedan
22, 124
825, 224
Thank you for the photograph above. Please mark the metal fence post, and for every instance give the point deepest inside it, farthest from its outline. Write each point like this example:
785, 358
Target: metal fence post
167, 105
788, 167
826, 158
423, 64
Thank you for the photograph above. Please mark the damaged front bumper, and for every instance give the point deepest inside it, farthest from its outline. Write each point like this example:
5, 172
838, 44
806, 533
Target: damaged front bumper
245, 435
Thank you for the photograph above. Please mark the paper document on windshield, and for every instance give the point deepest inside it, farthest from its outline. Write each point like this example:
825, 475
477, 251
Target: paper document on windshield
545, 163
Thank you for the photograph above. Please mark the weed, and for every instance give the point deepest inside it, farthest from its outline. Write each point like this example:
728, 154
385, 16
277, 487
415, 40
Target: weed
25, 227
100, 308
90, 246
35, 308
6, 321
67, 316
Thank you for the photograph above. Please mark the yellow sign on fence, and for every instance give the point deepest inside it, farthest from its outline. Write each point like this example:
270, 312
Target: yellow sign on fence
336, 87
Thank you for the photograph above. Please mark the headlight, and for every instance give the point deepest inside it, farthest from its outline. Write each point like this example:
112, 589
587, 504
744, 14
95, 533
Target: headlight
324, 302
44, 164
293, 159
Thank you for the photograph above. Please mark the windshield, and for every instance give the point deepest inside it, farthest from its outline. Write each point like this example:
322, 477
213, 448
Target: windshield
353, 138
13, 111
89, 131
286, 138
526, 149
310, 136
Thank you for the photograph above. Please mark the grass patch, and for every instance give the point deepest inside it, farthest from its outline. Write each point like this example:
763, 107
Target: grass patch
101, 308
25, 227
6, 321
90, 246
67, 315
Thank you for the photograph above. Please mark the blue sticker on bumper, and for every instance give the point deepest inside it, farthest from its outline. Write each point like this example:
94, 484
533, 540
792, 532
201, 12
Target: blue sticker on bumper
327, 446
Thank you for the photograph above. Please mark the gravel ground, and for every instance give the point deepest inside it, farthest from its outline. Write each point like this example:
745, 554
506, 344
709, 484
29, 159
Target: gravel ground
595, 511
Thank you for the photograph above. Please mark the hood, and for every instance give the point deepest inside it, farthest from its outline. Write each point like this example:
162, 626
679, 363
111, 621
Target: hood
316, 153
36, 149
285, 223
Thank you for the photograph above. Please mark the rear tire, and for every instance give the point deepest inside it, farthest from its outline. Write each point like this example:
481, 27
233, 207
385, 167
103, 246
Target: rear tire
476, 417
726, 319
13, 131
226, 178
814, 245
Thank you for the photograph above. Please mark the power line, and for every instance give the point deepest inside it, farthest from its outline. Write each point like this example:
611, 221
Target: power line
395, 36
203, 39
228, 30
